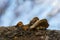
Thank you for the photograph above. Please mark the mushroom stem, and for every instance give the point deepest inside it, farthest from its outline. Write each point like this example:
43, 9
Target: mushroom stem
35, 24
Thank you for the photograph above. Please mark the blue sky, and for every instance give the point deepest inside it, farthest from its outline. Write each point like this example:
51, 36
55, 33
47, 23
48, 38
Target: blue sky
26, 10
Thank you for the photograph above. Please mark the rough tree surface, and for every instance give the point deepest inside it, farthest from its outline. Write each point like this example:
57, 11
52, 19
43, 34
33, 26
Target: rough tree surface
12, 33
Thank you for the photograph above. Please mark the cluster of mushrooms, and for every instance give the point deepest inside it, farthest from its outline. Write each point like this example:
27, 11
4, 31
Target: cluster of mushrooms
35, 24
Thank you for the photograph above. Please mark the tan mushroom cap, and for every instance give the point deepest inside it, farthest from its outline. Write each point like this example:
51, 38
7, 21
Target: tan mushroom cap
20, 24
33, 20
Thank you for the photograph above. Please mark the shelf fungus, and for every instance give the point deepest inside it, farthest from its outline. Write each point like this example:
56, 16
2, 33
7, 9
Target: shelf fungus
35, 23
